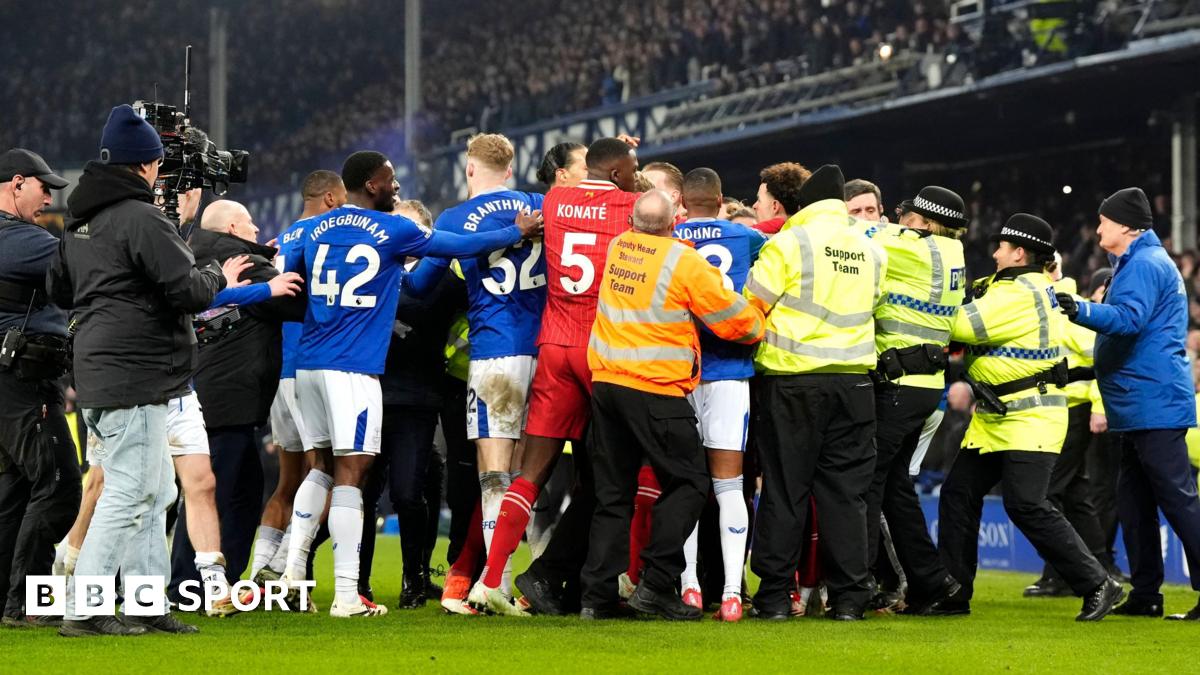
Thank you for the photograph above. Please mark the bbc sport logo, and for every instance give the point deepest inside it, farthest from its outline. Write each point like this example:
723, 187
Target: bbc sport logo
46, 595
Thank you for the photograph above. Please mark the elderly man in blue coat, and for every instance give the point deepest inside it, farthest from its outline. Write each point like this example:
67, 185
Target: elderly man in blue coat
1146, 384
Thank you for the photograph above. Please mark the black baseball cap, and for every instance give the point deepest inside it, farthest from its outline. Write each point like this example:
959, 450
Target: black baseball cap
22, 162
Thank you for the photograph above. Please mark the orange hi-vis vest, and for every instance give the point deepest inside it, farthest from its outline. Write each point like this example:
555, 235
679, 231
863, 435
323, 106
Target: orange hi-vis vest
653, 290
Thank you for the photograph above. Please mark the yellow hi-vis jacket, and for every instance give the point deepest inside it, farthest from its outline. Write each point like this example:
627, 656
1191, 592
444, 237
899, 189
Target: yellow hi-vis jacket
922, 290
1079, 344
653, 290
818, 282
458, 348
1014, 332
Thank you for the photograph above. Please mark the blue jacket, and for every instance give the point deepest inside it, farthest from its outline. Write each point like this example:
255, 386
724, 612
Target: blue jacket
1142, 369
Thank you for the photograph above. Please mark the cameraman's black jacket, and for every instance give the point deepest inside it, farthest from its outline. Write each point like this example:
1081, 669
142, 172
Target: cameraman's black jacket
239, 373
133, 284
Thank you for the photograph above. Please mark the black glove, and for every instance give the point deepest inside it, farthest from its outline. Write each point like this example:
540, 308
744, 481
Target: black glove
1067, 304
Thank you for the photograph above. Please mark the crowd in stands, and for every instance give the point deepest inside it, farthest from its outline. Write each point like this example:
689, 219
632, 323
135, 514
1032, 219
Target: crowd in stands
309, 77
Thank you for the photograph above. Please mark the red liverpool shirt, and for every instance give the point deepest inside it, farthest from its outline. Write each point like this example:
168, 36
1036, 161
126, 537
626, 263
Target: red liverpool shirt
580, 222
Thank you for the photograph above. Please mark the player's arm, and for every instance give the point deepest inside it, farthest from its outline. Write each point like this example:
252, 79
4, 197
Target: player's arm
282, 285
757, 240
729, 315
425, 277
770, 270
293, 261
447, 245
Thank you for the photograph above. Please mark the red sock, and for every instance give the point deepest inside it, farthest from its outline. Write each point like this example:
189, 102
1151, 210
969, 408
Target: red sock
514, 516
473, 546
639, 530
810, 560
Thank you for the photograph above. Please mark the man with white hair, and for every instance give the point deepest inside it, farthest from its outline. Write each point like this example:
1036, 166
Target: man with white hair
240, 359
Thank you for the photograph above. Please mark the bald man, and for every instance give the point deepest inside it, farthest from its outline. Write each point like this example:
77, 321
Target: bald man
240, 359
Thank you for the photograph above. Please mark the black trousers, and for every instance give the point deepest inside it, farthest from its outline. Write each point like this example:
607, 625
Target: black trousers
1155, 474
1104, 467
1024, 478
402, 467
628, 426
462, 468
900, 414
435, 492
238, 470
40, 488
816, 437
561, 563
1071, 490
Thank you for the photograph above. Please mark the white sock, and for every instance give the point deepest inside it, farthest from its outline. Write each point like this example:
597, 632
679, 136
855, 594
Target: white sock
306, 519
733, 519
493, 485
279, 562
345, 529
265, 547
689, 579
211, 565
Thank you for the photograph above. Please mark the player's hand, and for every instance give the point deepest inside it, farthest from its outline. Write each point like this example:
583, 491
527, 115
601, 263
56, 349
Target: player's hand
631, 141
233, 268
530, 224
287, 284
274, 243
189, 203
1098, 423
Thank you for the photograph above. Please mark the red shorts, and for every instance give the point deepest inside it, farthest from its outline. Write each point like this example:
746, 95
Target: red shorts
560, 399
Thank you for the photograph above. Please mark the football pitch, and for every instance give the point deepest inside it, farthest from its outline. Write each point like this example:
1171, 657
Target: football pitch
1006, 633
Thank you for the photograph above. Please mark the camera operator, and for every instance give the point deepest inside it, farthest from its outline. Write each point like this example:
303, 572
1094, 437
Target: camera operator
236, 381
39, 470
133, 284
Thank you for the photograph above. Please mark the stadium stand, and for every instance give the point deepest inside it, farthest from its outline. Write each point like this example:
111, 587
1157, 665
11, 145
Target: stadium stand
718, 65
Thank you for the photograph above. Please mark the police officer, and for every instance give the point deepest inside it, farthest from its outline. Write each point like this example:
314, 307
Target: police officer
39, 470
922, 290
1014, 362
817, 281
1071, 486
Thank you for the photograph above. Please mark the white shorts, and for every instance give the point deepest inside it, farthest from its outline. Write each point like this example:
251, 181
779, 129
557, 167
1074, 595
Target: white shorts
497, 396
340, 410
287, 425
722, 413
185, 426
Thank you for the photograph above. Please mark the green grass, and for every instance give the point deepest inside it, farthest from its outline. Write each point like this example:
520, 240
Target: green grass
1006, 633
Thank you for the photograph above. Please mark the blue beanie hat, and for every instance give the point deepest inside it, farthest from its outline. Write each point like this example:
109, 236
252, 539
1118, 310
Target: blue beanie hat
129, 139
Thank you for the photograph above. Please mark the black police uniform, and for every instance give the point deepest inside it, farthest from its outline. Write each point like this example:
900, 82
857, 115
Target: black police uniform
39, 467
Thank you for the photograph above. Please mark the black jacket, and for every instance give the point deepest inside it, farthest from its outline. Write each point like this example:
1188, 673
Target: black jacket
416, 360
134, 285
239, 373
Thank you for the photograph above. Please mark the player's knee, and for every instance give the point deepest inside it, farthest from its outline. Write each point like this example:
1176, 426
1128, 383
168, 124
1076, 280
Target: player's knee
320, 460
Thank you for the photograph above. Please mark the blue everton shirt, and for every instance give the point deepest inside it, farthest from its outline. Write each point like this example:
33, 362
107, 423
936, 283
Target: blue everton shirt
289, 240
352, 260
732, 249
506, 289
